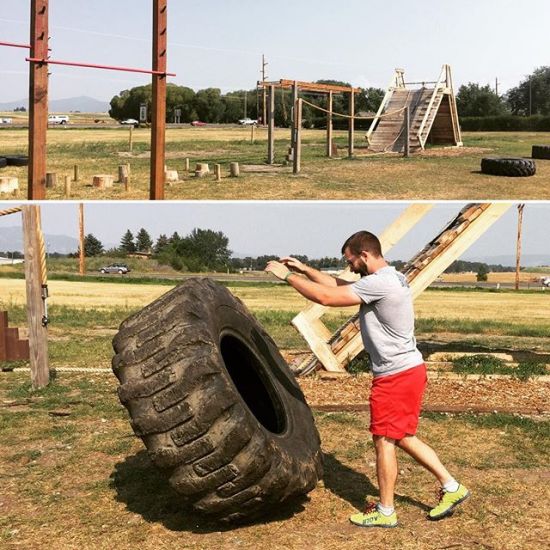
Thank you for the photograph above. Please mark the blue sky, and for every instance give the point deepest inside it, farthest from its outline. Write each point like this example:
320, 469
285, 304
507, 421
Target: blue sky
313, 228
219, 43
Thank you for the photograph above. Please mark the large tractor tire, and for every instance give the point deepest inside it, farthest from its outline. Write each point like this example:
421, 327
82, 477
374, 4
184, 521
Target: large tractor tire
18, 161
3, 162
215, 403
541, 152
512, 167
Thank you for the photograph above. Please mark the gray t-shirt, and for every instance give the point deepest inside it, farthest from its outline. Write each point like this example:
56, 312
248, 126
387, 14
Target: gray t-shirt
387, 321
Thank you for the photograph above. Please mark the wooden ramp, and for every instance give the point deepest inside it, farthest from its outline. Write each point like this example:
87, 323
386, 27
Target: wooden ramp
334, 352
433, 117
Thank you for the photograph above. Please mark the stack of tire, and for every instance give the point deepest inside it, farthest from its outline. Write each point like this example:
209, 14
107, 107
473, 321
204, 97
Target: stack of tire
215, 403
13, 161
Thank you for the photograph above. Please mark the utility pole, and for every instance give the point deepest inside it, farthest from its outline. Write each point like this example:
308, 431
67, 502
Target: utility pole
496, 86
82, 266
245, 100
518, 243
264, 77
530, 96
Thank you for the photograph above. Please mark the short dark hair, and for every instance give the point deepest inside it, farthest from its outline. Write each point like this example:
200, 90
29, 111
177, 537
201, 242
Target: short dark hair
363, 241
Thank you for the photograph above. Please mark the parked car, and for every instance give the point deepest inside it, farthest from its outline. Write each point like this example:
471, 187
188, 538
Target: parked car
198, 123
247, 121
58, 119
122, 269
130, 122
545, 281
6, 120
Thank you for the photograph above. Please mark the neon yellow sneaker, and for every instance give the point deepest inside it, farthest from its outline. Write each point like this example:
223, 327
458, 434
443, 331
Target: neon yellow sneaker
448, 502
373, 518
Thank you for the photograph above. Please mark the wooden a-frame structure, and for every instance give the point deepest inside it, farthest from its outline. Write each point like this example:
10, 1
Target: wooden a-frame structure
433, 115
334, 352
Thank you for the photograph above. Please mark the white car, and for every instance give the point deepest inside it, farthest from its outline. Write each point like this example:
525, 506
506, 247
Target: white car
545, 281
130, 122
58, 119
247, 122
6, 120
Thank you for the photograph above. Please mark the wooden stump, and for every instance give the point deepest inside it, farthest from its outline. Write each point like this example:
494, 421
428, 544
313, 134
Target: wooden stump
51, 180
186, 164
8, 184
103, 181
202, 169
171, 176
76, 172
234, 170
333, 148
123, 173
67, 187
218, 172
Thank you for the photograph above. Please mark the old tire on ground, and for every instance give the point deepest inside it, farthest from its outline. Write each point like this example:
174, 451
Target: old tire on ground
541, 152
3, 162
513, 167
18, 161
215, 403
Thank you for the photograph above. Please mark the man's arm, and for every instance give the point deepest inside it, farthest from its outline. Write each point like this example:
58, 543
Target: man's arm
312, 274
336, 296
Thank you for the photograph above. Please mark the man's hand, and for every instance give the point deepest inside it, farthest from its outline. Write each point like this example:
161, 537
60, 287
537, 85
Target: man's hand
278, 269
293, 264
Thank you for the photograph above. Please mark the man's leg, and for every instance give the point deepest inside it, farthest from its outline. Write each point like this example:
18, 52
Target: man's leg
425, 456
386, 468
452, 493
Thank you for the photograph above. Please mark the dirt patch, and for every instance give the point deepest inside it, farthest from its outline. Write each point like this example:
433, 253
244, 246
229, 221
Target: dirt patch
264, 168
437, 152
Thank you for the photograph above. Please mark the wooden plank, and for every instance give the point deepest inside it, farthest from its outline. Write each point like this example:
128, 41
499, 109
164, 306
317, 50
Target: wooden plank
351, 130
297, 153
158, 115
329, 124
271, 125
3, 329
38, 339
38, 100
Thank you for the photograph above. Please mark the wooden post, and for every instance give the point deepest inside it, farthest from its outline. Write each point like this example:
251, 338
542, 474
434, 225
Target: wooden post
38, 101
295, 95
82, 258
518, 243
271, 126
407, 148
351, 134
76, 174
297, 160
218, 172
51, 180
252, 133
127, 182
187, 164
329, 124
67, 187
158, 116
131, 138
234, 170
123, 173
38, 333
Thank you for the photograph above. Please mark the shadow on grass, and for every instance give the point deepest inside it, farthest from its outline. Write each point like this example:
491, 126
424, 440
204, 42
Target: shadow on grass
146, 492
350, 485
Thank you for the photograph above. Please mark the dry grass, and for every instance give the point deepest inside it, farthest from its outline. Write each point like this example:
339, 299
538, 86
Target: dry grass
436, 175
84, 481
503, 277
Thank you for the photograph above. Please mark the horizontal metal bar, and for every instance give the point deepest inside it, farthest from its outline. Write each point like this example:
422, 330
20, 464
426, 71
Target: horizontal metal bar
17, 45
94, 66
423, 82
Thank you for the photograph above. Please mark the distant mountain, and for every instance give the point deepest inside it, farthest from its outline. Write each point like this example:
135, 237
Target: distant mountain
11, 239
83, 104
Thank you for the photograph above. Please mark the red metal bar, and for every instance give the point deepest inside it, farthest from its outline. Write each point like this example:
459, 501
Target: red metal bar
17, 45
158, 115
38, 101
95, 66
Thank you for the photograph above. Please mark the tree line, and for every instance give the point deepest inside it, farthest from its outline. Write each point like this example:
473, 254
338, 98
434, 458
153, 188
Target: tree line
531, 97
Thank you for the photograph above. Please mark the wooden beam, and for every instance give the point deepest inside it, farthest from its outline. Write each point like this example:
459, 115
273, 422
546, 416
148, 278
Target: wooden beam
329, 124
82, 255
351, 132
297, 153
310, 86
38, 101
271, 126
158, 115
295, 95
38, 333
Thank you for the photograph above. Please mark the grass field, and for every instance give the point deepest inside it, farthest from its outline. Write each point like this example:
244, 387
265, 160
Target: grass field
74, 476
436, 174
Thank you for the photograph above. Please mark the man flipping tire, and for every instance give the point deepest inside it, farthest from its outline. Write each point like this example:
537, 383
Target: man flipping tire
399, 373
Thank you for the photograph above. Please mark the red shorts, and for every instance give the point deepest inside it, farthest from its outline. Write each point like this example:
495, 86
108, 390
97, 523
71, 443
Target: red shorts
395, 402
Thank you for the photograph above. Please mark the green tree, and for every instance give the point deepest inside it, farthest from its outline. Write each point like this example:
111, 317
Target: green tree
532, 96
92, 246
482, 273
475, 100
161, 244
370, 100
208, 105
204, 249
144, 242
127, 243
